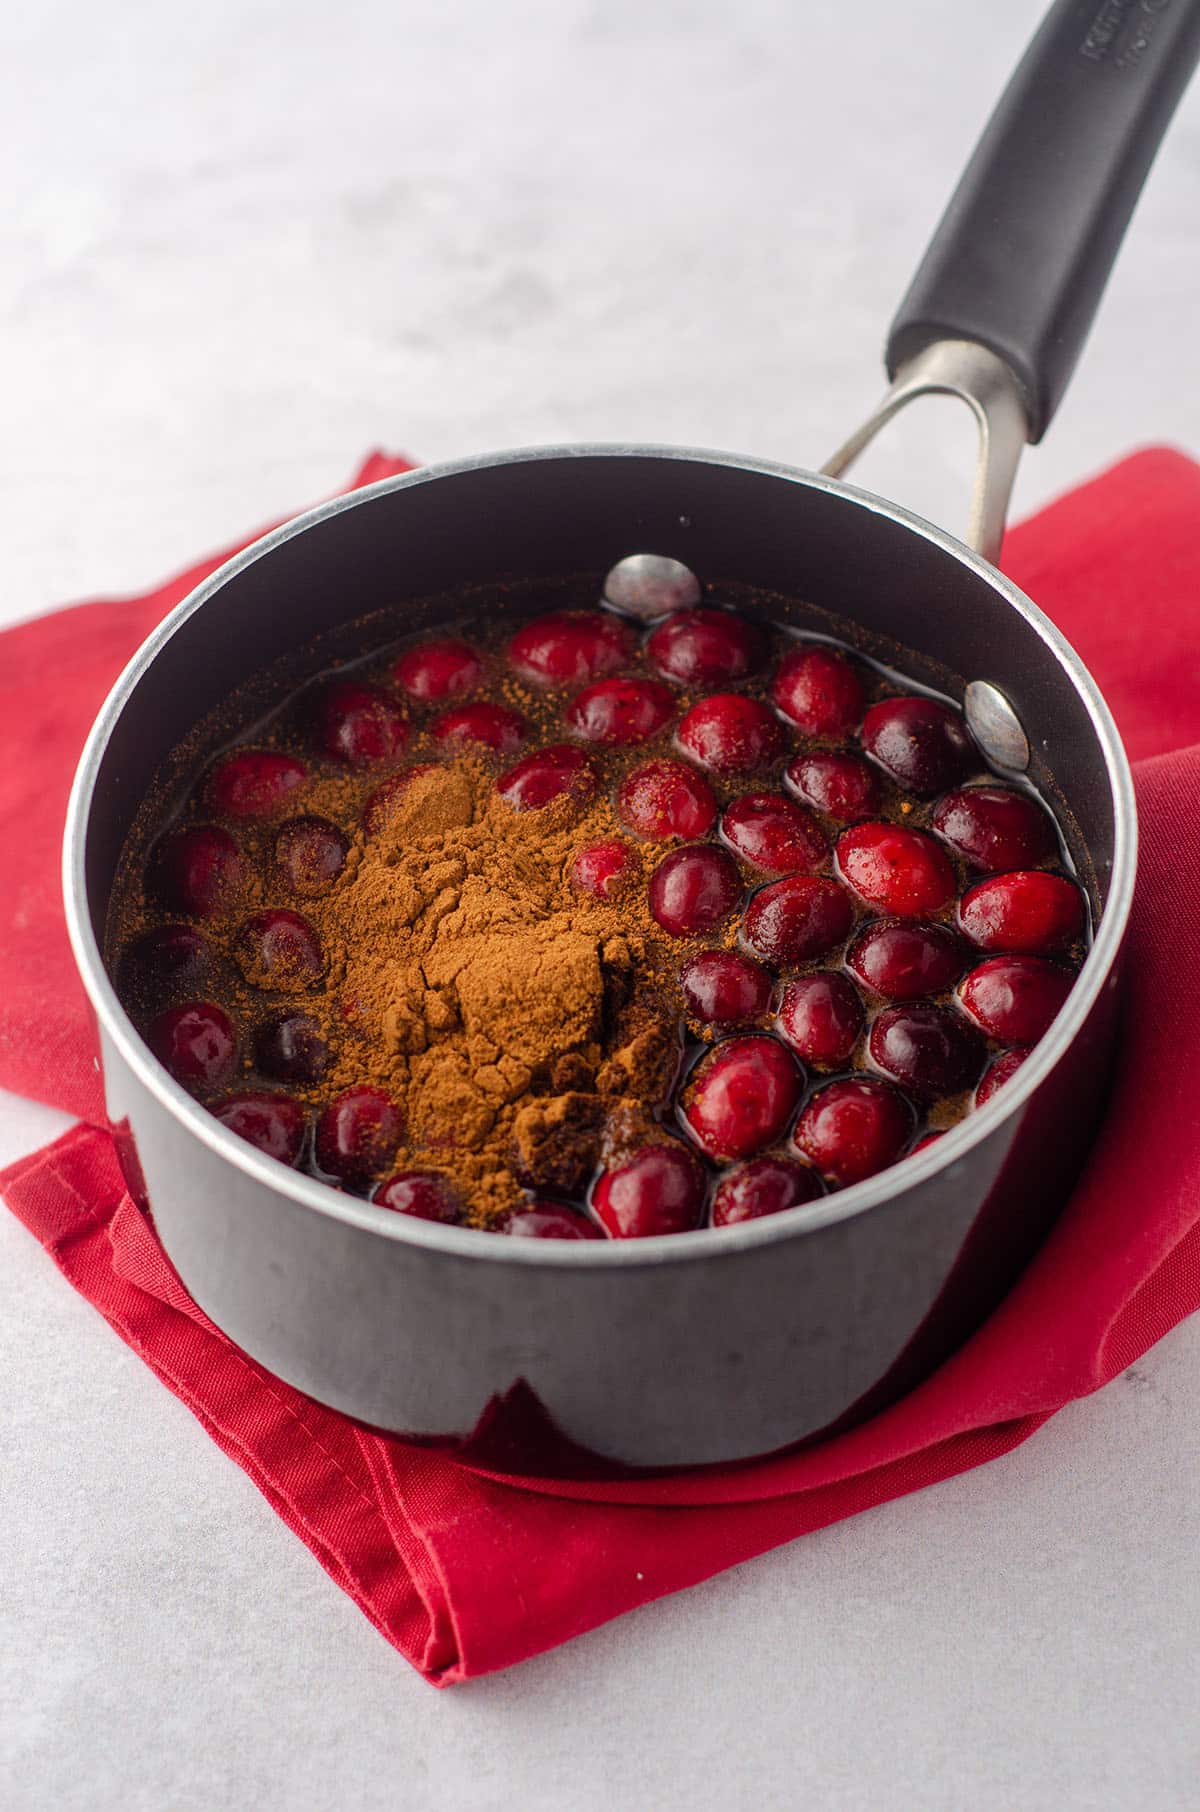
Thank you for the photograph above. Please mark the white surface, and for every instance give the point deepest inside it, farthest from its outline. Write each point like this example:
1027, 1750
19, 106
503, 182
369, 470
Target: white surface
239, 245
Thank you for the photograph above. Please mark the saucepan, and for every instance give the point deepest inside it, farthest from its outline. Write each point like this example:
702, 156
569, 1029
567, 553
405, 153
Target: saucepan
711, 1346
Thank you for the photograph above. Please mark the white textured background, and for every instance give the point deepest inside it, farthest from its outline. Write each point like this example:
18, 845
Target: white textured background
239, 245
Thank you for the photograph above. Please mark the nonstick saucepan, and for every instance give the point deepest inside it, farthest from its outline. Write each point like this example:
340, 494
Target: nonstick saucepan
722, 1344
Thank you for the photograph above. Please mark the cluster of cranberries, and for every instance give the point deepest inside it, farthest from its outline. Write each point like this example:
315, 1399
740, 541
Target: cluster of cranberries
873, 931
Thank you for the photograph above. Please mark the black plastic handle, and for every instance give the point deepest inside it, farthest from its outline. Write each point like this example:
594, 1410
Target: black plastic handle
1021, 256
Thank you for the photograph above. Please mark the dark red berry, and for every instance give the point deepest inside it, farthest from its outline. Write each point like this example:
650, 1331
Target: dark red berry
842, 785
930, 1050
357, 1135
796, 919
1028, 912
273, 1124
382, 801
445, 667
422, 1193
895, 869
1004, 1068
171, 959
547, 1220
570, 647
495, 726
931, 1138
620, 711
1015, 998
995, 828
729, 734
290, 1047
925, 746
907, 961
774, 833
693, 889
722, 988
852, 1129
254, 783
705, 647
659, 1190
606, 870
818, 690
197, 871
763, 1186
279, 949
546, 774
667, 799
741, 1097
310, 854
821, 1017
197, 1043
358, 724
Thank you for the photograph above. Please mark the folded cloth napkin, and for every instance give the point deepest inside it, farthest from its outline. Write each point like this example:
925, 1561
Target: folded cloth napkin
466, 1571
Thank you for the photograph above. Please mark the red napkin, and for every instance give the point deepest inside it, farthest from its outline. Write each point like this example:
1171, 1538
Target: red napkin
465, 1572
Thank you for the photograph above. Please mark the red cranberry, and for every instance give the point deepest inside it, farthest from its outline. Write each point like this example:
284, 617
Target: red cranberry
279, 949
906, 961
705, 647
310, 853
495, 726
821, 1017
547, 1220
995, 828
693, 889
546, 774
172, 959
763, 1186
273, 1124
421, 1193
357, 1135
196, 1043
198, 871
730, 734
722, 988
741, 1097
1004, 1068
378, 808
819, 691
570, 647
931, 1138
605, 869
774, 833
1028, 912
254, 783
291, 1048
925, 746
851, 1129
620, 711
896, 869
660, 1190
1015, 998
931, 1050
445, 667
842, 785
667, 799
358, 724
795, 919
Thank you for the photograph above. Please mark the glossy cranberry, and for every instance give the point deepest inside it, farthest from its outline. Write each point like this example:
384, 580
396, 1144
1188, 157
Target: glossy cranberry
422, 1193
821, 1017
842, 785
1028, 912
606, 870
1015, 998
705, 647
378, 808
254, 783
197, 871
1002, 1071
729, 734
907, 961
667, 798
357, 1135
290, 1047
796, 919
763, 1186
570, 647
197, 1043
774, 833
171, 959
279, 949
693, 889
660, 1190
358, 725
741, 1097
273, 1124
995, 828
931, 1138
925, 746
819, 691
495, 726
546, 774
618, 712
896, 869
852, 1129
930, 1050
310, 854
547, 1220
722, 988
445, 667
